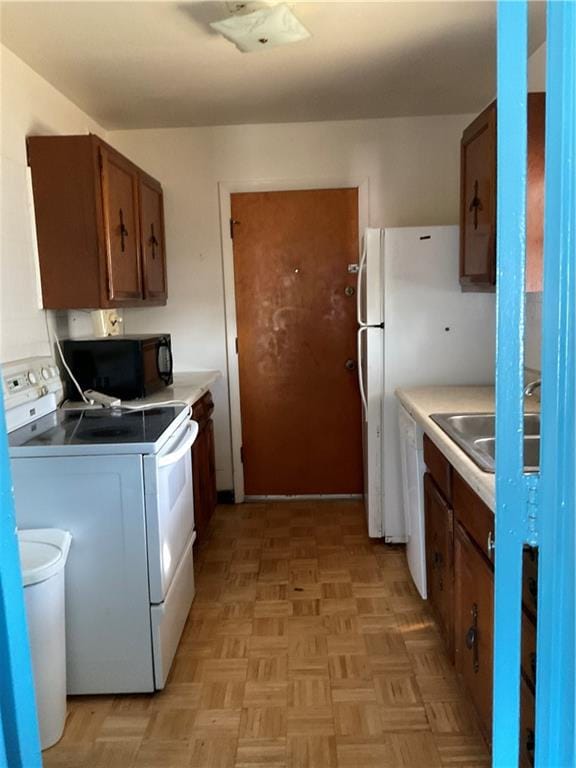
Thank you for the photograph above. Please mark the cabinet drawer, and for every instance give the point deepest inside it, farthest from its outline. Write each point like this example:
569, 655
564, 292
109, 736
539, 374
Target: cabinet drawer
529, 649
438, 466
527, 726
473, 514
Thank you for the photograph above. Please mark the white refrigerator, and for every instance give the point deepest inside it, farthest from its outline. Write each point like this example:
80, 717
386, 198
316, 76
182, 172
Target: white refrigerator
415, 328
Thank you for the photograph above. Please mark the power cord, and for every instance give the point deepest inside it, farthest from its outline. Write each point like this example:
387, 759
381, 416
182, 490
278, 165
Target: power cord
53, 338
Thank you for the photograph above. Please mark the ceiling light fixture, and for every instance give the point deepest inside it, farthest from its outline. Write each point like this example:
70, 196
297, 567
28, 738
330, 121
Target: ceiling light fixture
264, 28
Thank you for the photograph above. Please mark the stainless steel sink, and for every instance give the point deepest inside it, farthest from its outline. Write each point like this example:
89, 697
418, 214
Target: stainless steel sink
475, 434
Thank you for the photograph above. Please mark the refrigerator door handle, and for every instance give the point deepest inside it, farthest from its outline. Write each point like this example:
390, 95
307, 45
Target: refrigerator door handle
359, 294
361, 373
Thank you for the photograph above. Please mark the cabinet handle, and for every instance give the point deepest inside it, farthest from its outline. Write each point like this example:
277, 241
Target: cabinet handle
472, 638
123, 231
476, 204
491, 543
153, 241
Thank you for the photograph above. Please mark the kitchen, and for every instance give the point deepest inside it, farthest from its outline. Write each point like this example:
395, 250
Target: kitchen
409, 169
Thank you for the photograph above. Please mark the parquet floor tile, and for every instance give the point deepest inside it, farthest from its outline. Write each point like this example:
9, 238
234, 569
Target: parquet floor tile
307, 647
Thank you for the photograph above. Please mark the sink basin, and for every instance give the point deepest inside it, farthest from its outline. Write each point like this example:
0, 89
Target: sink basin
475, 434
487, 445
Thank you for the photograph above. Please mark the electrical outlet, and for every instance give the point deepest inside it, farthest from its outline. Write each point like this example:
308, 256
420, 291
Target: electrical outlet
106, 322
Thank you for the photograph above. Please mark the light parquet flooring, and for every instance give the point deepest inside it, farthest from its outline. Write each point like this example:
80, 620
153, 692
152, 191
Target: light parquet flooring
307, 647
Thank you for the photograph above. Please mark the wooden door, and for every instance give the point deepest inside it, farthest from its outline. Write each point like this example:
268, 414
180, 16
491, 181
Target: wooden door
121, 224
296, 318
152, 238
478, 203
474, 623
439, 519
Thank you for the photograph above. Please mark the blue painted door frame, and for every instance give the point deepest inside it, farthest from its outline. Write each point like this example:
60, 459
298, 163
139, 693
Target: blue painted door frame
19, 739
536, 509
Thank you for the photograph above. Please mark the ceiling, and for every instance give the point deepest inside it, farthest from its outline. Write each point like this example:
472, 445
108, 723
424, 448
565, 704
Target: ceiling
158, 64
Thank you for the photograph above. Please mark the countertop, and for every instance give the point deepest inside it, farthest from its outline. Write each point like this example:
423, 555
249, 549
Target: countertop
188, 387
420, 402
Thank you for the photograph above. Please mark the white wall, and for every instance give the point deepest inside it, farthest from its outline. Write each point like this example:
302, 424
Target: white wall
413, 169
533, 327
30, 105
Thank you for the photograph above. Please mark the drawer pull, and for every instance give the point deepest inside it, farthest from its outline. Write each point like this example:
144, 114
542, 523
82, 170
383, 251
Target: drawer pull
491, 543
472, 638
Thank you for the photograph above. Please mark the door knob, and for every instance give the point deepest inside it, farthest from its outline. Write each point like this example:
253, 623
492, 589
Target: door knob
350, 365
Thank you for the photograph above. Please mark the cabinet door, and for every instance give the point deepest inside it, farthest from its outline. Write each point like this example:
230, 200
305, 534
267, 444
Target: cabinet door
474, 623
211, 469
527, 726
152, 238
439, 558
200, 520
121, 227
478, 203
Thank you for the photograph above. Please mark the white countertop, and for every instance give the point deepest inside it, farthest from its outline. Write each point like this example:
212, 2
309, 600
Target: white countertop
188, 386
420, 402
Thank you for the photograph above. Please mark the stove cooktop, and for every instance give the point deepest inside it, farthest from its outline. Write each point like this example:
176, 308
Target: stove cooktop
97, 431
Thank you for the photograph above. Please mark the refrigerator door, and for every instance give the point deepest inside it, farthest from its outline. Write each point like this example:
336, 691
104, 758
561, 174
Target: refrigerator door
370, 372
371, 279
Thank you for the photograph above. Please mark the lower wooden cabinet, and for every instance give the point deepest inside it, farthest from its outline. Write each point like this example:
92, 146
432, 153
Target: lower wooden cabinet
474, 623
203, 465
527, 726
439, 558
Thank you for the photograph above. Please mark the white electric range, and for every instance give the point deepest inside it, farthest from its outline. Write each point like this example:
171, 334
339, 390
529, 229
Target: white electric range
121, 483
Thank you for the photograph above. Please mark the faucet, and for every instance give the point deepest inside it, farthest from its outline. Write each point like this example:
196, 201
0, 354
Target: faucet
531, 386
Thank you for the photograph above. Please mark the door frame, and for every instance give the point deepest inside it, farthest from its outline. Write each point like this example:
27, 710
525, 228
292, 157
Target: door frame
225, 190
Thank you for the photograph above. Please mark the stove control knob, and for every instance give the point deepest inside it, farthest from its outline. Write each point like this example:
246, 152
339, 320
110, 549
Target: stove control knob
53, 370
45, 374
32, 378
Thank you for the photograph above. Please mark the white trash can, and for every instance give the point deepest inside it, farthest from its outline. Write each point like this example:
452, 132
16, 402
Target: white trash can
43, 554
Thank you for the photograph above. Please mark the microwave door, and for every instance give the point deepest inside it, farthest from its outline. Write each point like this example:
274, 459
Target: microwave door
164, 361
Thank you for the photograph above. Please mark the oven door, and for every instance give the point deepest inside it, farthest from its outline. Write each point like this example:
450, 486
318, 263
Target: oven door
169, 508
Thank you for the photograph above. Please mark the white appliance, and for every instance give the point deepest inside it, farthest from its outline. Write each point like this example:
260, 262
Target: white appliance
416, 328
413, 469
121, 482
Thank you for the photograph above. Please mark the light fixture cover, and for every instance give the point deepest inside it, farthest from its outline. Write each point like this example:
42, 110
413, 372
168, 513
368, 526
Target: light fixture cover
262, 29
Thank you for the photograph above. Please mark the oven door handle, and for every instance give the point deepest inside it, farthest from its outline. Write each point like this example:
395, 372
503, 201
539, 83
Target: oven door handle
182, 448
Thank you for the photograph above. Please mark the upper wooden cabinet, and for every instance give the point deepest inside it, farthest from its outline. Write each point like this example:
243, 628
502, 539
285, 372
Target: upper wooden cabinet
478, 199
100, 225
152, 228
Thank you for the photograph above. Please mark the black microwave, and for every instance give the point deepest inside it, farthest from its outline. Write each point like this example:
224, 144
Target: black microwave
127, 367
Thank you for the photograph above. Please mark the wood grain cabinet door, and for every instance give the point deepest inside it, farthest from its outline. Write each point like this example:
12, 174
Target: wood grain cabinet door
439, 558
121, 226
478, 203
152, 238
474, 623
